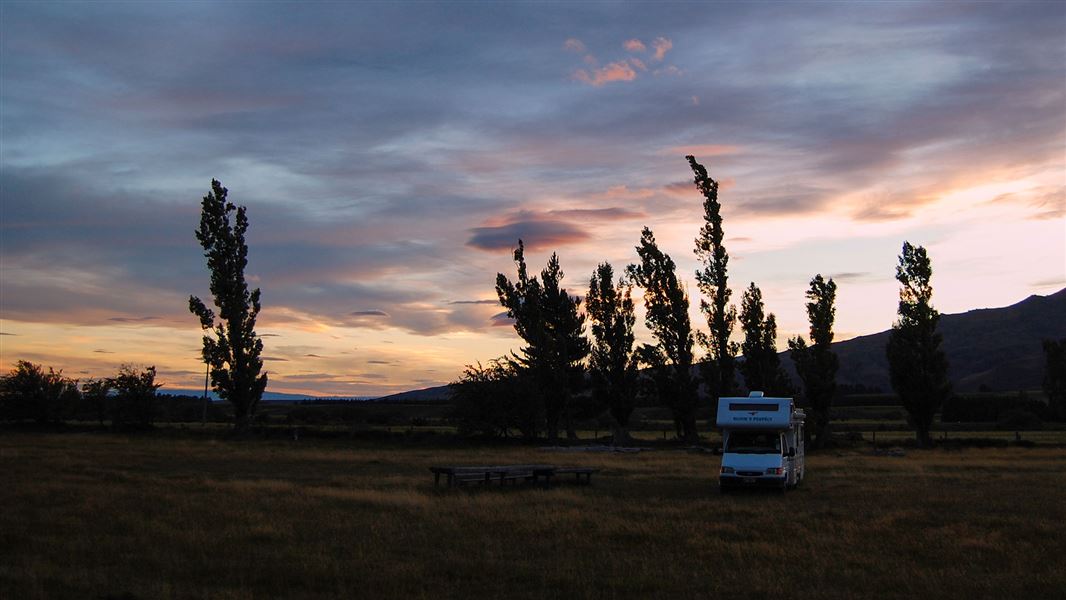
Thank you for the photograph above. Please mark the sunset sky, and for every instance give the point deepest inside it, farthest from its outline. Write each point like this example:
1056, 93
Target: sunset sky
391, 155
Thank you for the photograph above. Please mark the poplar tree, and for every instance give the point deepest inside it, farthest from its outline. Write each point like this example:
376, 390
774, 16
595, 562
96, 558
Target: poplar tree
548, 320
612, 362
713, 281
917, 365
666, 315
234, 352
1055, 377
568, 347
761, 367
817, 364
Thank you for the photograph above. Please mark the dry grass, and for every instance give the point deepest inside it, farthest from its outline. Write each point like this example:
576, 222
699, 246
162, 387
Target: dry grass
96, 515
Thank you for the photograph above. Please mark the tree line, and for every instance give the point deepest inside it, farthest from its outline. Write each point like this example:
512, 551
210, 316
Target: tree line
560, 376
125, 401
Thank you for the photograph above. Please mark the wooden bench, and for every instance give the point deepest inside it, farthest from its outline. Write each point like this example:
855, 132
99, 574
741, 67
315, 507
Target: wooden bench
485, 475
459, 475
582, 475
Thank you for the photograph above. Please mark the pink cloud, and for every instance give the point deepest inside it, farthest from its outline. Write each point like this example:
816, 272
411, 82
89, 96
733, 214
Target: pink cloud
634, 45
661, 46
702, 150
685, 189
636, 62
616, 71
624, 193
574, 45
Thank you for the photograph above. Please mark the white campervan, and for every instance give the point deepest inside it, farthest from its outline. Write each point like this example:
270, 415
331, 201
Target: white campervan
762, 442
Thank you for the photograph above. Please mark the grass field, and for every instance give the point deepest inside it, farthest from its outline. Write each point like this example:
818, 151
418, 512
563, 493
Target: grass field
97, 515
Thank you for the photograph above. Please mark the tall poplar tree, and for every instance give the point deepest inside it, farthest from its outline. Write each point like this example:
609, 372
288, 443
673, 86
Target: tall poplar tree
666, 315
917, 365
234, 351
612, 362
817, 364
761, 367
565, 325
1055, 377
713, 281
548, 320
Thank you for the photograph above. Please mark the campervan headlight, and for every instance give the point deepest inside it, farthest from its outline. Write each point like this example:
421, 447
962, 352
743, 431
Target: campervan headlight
775, 471
728, 470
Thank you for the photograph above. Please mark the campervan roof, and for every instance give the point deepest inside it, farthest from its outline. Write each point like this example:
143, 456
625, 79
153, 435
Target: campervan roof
754, 412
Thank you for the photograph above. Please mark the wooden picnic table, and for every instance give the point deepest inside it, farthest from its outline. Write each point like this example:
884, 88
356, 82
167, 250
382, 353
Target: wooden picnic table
486, 474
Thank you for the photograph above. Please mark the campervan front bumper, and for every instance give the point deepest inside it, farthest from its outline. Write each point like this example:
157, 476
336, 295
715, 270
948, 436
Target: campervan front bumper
740, 480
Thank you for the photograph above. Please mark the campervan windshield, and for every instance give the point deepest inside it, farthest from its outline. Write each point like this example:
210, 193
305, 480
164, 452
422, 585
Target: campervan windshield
754, 442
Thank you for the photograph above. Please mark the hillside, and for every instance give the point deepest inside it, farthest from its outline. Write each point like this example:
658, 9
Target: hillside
996, 347
431, 394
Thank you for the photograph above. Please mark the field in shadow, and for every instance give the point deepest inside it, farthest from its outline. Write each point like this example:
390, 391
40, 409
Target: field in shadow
96, 515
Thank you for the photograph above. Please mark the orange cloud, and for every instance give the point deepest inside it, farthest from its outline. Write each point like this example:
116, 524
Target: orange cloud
634, 45
662, 46
574, 45
616, 71
669, 70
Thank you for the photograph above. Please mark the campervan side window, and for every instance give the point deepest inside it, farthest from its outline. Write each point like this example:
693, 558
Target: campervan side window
754, 442
749, 406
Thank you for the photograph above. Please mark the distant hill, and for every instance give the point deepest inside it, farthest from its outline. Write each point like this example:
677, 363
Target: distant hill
267, 396
996, 347
440, 393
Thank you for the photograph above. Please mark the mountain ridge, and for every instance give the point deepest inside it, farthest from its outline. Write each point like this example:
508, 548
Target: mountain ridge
997, 348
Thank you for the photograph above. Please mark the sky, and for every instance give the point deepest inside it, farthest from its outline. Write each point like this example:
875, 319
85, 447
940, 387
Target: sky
390, 155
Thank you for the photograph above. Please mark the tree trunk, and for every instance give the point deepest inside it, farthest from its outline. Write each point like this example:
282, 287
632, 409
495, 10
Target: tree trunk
620, 435
691, 432
552, 427
241, 422
571, 434
921, 435
821, 430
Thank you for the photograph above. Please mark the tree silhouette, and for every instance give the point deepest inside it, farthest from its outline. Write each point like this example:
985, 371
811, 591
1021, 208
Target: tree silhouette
234, 351
612, 362
134, 402
713, 281
565, 325
549, 321
817, 364
916, 363
666, 315
1055, 377
96, 392
495, 399
28, 392
761, 367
